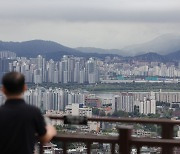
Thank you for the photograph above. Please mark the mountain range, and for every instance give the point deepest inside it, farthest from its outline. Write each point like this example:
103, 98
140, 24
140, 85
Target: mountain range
162, 48
163, 44
101, 51
49, 49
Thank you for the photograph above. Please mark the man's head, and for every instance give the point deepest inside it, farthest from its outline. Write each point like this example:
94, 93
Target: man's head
13, 84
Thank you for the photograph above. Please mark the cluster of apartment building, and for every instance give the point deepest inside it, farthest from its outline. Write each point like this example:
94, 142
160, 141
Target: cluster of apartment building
161, 70
70, 69
144, 102
51, 99
39, 70
127, 102
7, 54
158, 69
58, 99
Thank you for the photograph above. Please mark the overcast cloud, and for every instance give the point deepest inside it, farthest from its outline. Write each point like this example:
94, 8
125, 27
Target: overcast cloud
95, 23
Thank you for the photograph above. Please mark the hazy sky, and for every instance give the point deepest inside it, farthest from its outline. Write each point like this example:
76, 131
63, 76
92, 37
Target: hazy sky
92, 23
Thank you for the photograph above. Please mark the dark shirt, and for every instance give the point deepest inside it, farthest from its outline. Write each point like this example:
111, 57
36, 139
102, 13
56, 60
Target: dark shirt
19, 122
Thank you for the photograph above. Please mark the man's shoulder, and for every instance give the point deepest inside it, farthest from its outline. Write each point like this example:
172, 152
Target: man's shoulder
24, 105
19, 105
32, 107
30, 111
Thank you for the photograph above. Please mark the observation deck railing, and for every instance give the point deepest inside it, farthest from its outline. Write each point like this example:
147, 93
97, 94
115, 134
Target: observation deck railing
125, 139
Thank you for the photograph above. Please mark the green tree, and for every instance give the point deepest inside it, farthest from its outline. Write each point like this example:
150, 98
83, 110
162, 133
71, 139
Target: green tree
153, 115
95, 111
120, 114
102, 113
108, 114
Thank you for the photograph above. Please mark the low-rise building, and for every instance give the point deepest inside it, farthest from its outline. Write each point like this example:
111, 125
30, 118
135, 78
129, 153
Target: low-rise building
81, 110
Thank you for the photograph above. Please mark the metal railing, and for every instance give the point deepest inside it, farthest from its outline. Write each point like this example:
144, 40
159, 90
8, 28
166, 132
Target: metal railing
125, 139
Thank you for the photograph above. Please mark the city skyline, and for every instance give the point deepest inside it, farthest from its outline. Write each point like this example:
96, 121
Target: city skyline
80, 70
96, 63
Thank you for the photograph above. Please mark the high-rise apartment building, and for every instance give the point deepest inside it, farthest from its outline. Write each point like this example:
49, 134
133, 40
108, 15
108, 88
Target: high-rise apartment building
124, 102
147, 105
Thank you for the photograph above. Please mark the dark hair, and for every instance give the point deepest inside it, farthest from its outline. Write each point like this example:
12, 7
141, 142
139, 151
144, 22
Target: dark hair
13, 82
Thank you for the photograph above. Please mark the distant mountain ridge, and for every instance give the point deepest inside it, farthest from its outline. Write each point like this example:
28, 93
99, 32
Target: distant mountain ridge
164, 44
49, 49
35, 47
150, 57
101, 51
53, 50
154, 57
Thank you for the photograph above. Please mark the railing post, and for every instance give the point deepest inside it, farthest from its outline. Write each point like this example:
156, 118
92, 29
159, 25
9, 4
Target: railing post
64, 148
138, 149
167, 133
124, 139
113, 148
88, 147
41, 149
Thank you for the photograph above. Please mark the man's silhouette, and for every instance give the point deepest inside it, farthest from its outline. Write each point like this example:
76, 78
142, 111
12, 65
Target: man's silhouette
20, 123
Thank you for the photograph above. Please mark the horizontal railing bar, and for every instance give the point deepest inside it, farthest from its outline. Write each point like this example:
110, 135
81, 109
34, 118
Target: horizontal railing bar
126, 120
112, 139
155, 142
85, 138
136, 120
